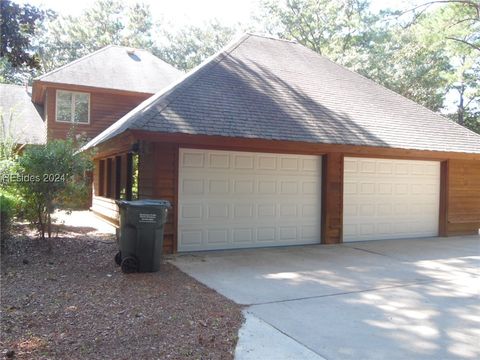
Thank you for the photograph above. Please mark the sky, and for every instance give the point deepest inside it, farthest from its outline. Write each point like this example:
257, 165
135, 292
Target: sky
182, 12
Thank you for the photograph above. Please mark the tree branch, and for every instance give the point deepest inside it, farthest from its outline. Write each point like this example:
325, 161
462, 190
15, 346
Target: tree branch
464, 42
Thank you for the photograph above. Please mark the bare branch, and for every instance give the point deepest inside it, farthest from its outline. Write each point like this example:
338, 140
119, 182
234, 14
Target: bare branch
471, 3
473, 98
465, 42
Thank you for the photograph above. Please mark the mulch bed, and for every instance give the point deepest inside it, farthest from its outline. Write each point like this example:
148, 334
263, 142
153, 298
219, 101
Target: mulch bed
75, 303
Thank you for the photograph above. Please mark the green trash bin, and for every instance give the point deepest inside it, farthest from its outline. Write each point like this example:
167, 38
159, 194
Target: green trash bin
140, 237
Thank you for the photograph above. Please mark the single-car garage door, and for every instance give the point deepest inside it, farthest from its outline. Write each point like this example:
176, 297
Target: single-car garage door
233, 200
390, 199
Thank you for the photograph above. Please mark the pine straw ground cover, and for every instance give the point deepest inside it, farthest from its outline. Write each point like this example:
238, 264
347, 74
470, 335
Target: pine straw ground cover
74, 303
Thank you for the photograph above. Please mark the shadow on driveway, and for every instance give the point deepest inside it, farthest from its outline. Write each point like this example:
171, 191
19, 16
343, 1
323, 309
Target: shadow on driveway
391, 299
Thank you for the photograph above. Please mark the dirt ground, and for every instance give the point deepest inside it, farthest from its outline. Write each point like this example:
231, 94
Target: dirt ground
74, 303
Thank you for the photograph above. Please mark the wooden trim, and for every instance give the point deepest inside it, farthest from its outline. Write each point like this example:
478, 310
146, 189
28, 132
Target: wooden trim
108, 179
129, 180
101, 178
294, 147
443, 213
104, 218
332, 199
106, 208
323, 203
175, 202
40, 86
342, 182
118, 177
72, 106
121, 144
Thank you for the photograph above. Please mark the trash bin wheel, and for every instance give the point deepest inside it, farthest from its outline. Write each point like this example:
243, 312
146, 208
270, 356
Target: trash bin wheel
129, 265
118, 258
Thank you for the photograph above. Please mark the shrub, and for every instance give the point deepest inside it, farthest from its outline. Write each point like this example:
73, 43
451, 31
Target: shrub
9, 205
47, 175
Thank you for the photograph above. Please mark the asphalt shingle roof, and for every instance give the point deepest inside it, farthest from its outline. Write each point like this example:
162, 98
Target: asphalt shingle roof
266, 88
116, 67
22, 120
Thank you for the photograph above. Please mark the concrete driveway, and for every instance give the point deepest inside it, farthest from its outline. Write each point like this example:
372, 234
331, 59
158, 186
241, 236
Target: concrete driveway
395, 299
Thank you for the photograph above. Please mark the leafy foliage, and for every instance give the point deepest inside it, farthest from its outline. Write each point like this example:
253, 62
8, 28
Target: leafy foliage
67, 38
331, 28
191, 45
17, 26
48, 174
9, 205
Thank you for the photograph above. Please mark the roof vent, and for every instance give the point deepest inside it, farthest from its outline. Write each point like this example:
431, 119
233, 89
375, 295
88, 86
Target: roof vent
131, 51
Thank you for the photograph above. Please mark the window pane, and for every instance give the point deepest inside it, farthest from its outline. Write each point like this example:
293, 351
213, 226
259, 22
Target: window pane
64, 106
81, 108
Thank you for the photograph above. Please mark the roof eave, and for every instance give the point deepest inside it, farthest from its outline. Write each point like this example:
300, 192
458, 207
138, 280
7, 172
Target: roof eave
45, 84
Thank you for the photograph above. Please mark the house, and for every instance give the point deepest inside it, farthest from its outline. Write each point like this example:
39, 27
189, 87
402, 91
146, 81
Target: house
86, 96
268, 143
21, 120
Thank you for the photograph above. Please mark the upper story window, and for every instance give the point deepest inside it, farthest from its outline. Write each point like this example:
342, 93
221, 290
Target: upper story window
73, 107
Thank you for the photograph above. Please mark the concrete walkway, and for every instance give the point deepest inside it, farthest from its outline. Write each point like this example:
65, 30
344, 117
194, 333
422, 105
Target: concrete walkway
394, 299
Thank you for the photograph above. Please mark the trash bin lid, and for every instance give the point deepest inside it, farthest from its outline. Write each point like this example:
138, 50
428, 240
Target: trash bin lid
144, 203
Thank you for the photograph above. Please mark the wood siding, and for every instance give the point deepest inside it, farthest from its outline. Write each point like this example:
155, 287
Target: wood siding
158, 174
106, 208
463, 197
102, 206
105, 109
332, 198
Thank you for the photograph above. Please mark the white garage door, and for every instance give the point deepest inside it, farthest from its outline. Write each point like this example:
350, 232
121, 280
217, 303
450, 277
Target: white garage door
233, 200
390, 199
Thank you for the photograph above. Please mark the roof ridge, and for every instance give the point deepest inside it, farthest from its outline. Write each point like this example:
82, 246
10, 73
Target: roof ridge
130, 47
270, 37
225, 51
73, 62
130, 116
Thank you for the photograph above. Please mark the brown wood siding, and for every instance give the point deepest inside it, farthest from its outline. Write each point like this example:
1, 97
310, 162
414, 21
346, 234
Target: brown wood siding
443, 211
105, 109
102, 206
332, 198
463, 198
158, 180
106, 208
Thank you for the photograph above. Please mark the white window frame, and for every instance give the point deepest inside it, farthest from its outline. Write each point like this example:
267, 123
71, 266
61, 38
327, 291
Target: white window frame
72, 113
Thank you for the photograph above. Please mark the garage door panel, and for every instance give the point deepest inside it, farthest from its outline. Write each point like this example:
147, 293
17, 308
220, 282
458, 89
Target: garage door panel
386, 199
236, 199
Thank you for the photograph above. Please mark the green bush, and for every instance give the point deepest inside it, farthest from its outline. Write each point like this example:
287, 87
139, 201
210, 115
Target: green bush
9, 206
50, 175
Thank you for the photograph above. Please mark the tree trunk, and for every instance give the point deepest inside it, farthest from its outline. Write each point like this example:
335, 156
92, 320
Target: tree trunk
49, 224
41, 227
461, 106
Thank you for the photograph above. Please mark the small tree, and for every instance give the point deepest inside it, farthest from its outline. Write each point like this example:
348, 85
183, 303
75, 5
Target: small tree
46, 173
9, 202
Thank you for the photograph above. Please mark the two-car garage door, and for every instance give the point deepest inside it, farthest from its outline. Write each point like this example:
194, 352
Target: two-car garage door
233, 199
242, 199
